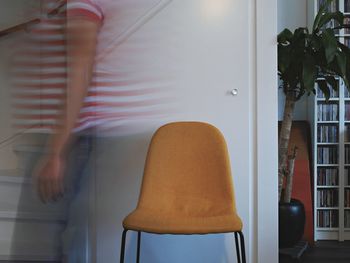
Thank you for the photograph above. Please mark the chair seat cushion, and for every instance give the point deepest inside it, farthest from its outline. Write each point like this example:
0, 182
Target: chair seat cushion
159, 223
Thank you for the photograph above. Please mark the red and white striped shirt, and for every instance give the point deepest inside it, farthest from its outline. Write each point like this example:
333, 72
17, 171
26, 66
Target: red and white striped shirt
126, 93
39, 73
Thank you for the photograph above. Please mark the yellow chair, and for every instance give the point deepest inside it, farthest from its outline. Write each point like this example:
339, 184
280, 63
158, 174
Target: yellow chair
187, 186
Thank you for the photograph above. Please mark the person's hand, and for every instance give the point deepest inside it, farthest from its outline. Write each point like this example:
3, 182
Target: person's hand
50, 175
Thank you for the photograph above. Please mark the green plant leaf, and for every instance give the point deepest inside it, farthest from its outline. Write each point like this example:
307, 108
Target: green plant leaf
299, 34
319, 15
345, 51
341, 60
284, 37
322, 84
327, 17
303, 56
332, 82
346, 78
315, 42
330, 44
284, 58
309, 73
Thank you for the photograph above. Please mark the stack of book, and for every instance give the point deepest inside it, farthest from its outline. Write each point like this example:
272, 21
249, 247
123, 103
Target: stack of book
327, 198
346, 43
346, 91
327, 133
347, 198
346, 176
327, 155
346, 6
347, 154
333, 93
327, 218
347, 219
327, 176
328, 112
347, 133
347, 22
347, 111
334, 6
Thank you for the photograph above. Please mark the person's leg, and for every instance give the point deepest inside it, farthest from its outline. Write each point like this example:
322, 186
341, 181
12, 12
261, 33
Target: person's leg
75, 237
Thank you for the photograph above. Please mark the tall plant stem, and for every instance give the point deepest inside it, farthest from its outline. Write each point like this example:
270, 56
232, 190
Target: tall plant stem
290, 175
284, 139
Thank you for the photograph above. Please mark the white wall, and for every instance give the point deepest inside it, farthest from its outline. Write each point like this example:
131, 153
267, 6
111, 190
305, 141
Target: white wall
291, 15
211, 55
8, 160
12, 12
301, 107
208, 57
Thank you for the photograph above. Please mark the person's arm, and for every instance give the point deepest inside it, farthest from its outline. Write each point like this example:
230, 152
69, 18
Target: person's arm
81, 48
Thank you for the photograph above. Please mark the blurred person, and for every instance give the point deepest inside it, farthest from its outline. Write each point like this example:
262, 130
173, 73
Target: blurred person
92, 90
42, 101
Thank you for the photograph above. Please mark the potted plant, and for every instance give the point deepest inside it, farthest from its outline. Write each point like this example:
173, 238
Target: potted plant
306, 57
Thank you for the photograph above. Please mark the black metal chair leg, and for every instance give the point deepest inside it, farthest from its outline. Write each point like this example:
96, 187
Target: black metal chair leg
242, 247
138, 246
122, 249
237, 248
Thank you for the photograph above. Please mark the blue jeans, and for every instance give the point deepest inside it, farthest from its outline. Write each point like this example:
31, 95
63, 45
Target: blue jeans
78, 186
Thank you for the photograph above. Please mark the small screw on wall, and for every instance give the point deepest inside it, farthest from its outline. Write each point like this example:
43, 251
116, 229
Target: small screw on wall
234, 92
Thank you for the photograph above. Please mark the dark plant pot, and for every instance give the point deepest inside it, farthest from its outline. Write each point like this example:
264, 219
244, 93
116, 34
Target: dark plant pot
291, 223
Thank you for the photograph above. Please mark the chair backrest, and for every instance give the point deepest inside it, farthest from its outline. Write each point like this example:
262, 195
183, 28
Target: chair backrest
187, 171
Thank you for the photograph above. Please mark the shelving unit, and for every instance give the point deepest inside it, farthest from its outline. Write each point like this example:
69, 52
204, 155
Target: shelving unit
327, 168
332, 165
331, 135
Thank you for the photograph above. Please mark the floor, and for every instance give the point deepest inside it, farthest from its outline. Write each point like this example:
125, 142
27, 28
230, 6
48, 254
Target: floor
5, 261
324, 252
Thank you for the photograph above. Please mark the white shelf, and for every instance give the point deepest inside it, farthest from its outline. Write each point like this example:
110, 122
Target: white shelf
327, 228
327, 208
327, 122
340, 233
330, 99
